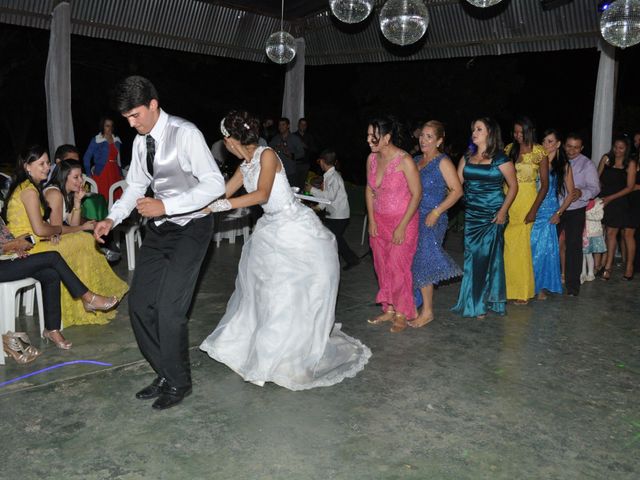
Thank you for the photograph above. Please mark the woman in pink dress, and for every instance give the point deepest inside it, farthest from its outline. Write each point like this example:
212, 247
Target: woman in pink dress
393, 194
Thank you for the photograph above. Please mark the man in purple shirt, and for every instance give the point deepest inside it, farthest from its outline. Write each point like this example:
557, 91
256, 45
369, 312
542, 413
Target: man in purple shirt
587, 186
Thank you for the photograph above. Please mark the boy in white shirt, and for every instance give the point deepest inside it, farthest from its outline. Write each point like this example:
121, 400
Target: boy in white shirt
337, 218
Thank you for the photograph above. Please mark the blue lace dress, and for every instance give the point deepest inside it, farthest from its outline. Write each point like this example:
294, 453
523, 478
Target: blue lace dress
431, 264
544, 243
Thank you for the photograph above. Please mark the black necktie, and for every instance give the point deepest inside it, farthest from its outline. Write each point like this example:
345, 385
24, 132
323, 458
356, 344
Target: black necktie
151, 153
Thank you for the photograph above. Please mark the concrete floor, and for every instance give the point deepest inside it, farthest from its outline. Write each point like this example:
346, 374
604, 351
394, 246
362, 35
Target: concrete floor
550, 391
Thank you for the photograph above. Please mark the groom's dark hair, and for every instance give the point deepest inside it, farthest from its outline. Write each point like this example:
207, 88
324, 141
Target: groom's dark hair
132, 92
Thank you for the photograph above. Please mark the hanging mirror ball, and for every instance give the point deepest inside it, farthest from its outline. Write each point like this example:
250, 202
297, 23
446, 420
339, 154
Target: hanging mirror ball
404, 22
620, 23
281, 47
484, 3
351, 11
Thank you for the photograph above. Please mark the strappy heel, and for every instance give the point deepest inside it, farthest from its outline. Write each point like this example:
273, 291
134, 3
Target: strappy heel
49, 335
399, 323
606, 274
20, 350
91, 307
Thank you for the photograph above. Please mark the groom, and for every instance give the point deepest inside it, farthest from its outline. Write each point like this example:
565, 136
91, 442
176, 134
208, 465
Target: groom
169, 155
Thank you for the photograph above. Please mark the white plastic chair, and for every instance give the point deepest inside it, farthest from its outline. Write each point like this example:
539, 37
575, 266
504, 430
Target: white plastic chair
10, 304
93, 186
131, 231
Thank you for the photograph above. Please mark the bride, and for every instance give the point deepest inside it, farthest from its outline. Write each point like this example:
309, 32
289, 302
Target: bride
279, 324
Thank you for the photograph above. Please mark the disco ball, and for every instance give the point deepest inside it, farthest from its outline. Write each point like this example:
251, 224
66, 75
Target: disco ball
620, 23
281, 47
404, 22
484, 3
351, 11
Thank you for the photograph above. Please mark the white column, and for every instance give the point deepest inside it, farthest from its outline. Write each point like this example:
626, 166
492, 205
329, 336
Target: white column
57, 80
604, 102
293, 98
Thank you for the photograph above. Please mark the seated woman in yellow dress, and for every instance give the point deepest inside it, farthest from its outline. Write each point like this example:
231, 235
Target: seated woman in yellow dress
25, 213
531, 171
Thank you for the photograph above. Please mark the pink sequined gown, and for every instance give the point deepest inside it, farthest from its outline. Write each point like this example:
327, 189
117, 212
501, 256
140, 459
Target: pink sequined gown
393, 262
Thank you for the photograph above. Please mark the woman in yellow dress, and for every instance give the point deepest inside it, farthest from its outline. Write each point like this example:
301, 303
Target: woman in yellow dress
25, 213
533, 182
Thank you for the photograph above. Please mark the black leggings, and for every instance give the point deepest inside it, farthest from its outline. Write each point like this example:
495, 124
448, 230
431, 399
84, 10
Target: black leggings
49, 268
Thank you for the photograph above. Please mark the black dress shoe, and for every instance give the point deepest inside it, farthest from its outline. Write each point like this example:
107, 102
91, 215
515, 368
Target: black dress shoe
171, 396
153, 390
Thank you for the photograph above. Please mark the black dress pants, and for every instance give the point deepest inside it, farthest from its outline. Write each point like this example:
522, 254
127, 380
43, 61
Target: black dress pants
338, 227
162, 288
572, 223
49, 268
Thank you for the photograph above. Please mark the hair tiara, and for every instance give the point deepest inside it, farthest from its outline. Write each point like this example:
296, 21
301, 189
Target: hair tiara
223, 130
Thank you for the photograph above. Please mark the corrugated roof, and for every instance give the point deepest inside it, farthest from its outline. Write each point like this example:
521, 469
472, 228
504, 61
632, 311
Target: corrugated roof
456, 29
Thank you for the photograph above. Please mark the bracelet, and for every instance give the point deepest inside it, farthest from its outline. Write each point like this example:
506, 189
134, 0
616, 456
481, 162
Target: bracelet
559, 213
435, 211
75, 209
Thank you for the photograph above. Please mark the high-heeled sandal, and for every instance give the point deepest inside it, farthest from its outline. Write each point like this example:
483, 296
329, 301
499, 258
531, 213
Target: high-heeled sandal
21, 352
606, 274
24, 339
383, 317
49, 335
90, 307
399, 323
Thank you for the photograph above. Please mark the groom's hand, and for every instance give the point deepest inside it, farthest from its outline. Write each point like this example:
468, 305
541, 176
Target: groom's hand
150, 207
101, 229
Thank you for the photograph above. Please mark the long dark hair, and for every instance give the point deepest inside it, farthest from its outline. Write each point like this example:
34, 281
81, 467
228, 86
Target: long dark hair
60, 180
387, 125
559, 162
26, 157
494, 139
627, 153
528, 136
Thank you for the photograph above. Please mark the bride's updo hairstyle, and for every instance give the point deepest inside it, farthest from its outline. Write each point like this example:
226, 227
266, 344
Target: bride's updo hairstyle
242, 126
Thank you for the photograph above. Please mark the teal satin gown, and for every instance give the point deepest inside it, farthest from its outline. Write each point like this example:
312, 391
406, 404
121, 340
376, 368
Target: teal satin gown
483, 286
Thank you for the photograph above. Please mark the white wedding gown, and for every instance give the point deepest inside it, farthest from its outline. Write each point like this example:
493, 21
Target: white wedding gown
279, 324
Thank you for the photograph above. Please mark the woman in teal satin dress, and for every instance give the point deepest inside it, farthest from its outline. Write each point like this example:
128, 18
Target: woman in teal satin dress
483, 170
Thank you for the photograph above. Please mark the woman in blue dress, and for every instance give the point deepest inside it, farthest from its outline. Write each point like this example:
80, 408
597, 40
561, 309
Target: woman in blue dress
483, 170
545, 250
431, 264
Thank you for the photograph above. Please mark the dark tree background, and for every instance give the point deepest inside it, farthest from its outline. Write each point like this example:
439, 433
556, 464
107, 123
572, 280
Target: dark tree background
555, 89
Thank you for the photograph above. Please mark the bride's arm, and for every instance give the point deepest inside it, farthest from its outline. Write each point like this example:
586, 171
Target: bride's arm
234, 184
269, 164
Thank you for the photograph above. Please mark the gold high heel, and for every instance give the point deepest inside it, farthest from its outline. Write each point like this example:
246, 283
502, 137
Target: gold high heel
22, 353
399, 323
90, 307
24, 339
63, 344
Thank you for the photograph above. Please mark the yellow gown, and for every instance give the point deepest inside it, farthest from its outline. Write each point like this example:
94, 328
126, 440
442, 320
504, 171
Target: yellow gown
79, 251
518, 263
